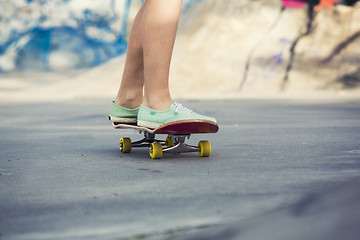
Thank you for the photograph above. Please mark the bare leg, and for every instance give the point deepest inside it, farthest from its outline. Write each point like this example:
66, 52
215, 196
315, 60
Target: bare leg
149, 54
159, 28
130, 94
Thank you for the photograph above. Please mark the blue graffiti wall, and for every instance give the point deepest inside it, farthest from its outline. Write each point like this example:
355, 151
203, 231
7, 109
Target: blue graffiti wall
52, 35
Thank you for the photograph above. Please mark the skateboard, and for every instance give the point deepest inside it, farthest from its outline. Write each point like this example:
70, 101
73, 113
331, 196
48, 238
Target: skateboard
176, 133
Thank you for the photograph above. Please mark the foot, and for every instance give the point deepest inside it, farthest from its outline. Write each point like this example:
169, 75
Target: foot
153, 119
122, 115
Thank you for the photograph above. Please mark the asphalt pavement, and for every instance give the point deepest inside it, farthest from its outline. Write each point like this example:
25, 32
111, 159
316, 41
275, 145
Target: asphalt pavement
62, 175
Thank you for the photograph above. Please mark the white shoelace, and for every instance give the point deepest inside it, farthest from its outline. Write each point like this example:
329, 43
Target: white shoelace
180, 107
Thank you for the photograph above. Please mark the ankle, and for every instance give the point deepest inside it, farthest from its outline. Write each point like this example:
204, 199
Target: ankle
129, 100
158, 104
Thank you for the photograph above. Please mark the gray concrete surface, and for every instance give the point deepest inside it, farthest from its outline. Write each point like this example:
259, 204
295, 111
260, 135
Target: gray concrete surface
332, 214
62, 175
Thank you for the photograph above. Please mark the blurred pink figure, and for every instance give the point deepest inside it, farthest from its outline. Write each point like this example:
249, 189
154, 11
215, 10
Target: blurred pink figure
293, 4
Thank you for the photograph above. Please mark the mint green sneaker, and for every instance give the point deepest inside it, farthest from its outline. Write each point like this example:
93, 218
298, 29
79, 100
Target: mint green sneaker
154, 119
121, 115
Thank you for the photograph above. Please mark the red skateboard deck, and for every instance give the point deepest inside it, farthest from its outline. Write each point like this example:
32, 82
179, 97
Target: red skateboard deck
184, 127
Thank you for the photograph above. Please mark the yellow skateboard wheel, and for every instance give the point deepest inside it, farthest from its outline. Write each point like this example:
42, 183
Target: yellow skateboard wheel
204, 148
169, 141
125, 145
155, 150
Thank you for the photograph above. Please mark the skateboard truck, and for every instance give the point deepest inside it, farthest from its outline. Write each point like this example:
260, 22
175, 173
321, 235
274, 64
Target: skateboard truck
179, 145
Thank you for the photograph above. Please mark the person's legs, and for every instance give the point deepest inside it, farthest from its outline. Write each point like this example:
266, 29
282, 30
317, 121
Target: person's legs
149, 54
130, 94
146, 75
159, 26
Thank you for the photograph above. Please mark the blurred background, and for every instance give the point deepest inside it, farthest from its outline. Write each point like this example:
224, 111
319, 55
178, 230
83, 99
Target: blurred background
53, 50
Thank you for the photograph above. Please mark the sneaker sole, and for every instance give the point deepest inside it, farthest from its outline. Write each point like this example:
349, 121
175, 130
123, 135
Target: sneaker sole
116, 120
150, 125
